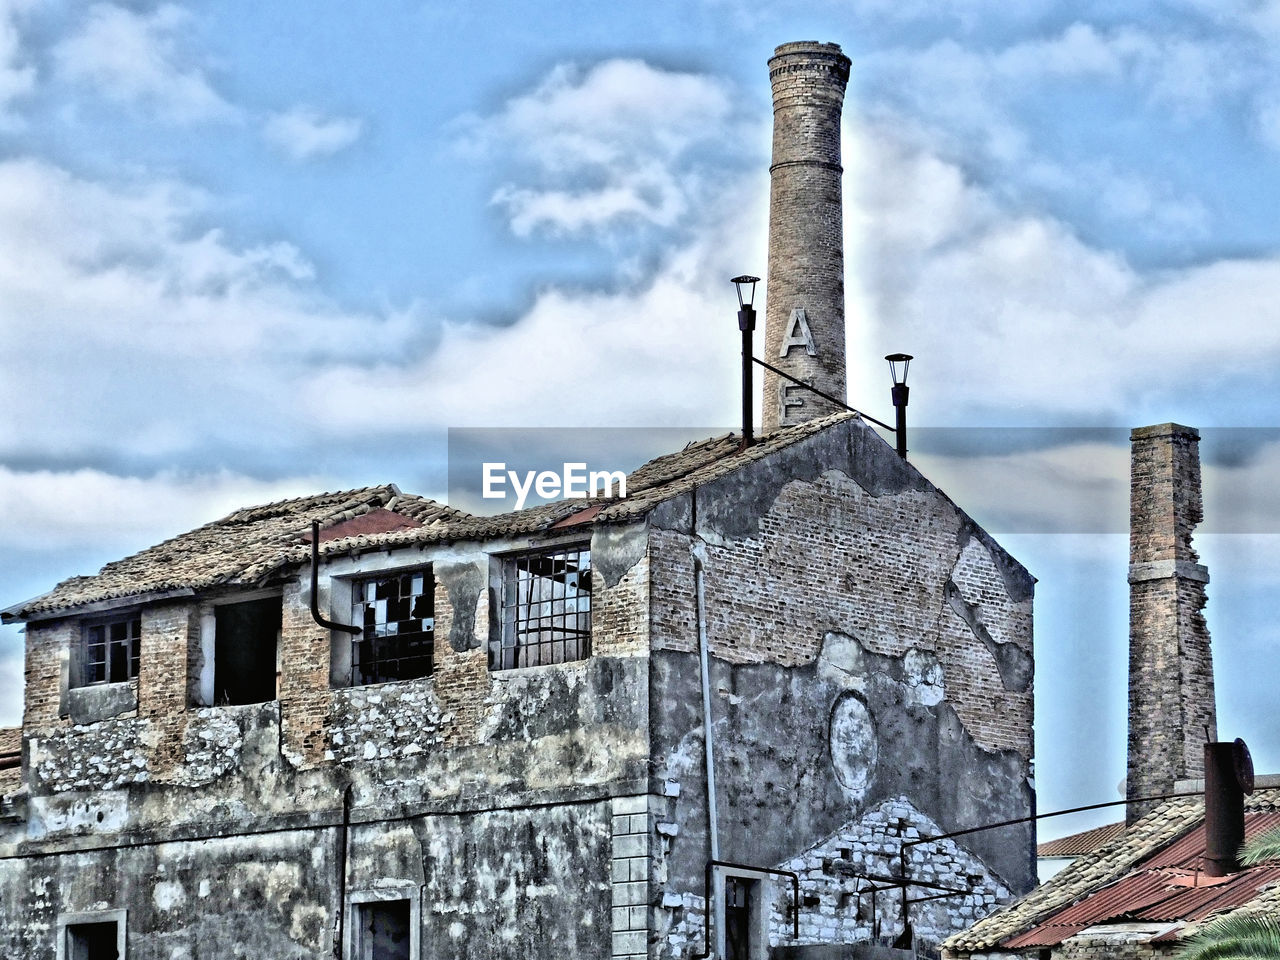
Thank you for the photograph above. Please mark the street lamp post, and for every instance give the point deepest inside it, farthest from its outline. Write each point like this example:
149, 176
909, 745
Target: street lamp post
747, 324
899, 394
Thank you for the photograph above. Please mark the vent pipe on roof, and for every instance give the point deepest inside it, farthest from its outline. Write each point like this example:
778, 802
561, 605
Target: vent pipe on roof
1228, 776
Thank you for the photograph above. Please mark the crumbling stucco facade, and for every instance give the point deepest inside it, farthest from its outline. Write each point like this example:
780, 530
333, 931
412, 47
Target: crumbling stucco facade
871, 684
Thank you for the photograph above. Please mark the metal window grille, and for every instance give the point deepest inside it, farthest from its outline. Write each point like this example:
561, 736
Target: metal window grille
546, 605
111, 651
397, 613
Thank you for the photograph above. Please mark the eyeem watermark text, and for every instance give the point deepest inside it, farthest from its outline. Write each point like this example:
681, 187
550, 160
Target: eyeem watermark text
574, 481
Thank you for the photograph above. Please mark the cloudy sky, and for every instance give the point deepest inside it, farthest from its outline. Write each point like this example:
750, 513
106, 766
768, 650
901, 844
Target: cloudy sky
248, 252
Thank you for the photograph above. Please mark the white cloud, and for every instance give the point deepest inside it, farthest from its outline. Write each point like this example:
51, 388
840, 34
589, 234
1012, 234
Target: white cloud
92, 510
136, 58
662, 351
137, 320
604, 145
17, 74
1008, 309
304, 133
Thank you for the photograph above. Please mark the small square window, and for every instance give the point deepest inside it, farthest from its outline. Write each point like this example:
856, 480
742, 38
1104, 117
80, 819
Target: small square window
109, 652
384, 930
92, 941
99, 935
397, 616
546, 609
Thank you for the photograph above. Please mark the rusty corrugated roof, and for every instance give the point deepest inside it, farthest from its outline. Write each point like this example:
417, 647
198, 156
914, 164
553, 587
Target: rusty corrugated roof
1167, 837
1164, 887
1188, 850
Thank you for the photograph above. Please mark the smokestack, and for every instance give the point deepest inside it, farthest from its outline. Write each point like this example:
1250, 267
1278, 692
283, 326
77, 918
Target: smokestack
804, 312
1228, 776
1171, 699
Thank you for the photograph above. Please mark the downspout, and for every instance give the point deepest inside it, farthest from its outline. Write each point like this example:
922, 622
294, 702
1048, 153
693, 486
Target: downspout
699, 551
315, 586
340, 942
699, 554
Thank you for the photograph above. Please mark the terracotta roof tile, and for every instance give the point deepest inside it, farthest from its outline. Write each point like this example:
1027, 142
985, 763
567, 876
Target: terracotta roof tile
1086, 841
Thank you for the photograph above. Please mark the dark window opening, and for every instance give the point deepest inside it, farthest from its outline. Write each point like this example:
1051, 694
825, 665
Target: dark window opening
109, 653
93, 941
383, 930
397, 614
245, 663
546, 610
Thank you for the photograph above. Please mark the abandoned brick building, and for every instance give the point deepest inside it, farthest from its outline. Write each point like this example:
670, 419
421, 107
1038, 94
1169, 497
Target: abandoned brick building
527, 735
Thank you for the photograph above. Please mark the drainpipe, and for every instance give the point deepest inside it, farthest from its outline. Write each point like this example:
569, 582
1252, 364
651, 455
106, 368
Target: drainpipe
699, 551
339, 943
315, 587
712, 903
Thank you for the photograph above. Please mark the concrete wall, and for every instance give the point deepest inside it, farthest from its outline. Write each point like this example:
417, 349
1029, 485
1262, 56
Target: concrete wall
870, 646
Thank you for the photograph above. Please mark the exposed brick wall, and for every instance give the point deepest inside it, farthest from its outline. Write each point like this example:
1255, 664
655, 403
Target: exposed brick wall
620, 614
806, 232
831, 557
305, 701
1171, 691
169, 643
48, 647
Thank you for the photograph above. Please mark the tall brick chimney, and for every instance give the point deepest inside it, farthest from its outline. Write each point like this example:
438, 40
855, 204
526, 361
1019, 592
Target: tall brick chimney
1170, 666
804, 314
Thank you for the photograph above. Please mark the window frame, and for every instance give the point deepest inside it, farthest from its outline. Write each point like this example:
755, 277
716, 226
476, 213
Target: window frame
79, 676
507, 650
66, 921
358, 607
357, 899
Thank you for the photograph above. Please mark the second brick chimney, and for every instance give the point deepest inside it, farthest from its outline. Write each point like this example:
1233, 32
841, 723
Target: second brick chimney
1171, 699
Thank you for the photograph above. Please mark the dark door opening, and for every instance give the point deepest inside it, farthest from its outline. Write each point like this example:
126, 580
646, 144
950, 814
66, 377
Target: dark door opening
384, 930
92, 941
244, 651
737, 918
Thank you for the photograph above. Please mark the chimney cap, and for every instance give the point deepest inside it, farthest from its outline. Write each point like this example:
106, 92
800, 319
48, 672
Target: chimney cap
1164, 430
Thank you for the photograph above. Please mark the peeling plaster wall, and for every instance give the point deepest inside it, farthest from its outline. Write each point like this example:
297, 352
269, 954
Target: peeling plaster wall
869, 645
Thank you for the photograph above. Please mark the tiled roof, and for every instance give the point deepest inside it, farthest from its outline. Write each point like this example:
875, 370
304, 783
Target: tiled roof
241, 548
250, 545
1086, 841
1136, 874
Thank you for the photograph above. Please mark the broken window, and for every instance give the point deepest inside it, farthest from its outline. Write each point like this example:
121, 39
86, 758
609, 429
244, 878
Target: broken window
382, 930
109, 652
546, 609
245, 660
93, 941
397, 614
